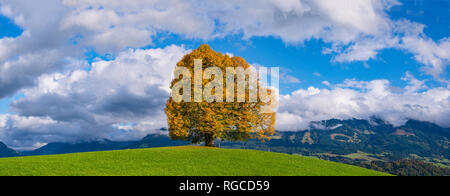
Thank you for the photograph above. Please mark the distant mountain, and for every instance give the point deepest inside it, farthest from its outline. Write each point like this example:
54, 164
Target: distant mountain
6, 152
62, 148
358, 140
362, 139
157, 140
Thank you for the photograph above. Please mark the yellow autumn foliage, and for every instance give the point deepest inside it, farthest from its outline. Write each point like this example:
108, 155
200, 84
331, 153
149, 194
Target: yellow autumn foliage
206, 121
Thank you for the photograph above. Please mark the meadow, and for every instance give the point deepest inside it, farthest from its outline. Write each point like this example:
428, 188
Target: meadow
177, 161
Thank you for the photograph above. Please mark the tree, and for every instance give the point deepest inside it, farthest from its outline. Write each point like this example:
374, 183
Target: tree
199, 119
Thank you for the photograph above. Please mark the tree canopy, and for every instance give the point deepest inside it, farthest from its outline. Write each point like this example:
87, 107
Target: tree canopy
199, 118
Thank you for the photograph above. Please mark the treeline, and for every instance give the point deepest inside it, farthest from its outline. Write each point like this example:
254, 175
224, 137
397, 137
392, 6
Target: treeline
402, 167
407, 167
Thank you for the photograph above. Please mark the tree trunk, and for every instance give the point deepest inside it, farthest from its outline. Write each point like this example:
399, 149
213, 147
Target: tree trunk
209, 140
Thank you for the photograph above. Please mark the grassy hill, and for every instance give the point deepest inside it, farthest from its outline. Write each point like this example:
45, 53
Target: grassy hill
177, 161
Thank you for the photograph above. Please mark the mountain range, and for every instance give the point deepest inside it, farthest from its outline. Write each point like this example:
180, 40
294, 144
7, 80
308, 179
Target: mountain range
362, 140
7, 152
354, 139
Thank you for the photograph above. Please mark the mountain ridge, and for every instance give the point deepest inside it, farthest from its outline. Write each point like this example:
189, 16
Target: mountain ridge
374, 138
5, 151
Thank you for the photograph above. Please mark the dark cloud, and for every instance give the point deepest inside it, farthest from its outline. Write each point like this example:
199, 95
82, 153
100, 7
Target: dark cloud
126, 104
74, 107
106, 102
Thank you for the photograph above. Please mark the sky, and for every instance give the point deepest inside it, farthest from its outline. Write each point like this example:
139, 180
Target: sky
100, 69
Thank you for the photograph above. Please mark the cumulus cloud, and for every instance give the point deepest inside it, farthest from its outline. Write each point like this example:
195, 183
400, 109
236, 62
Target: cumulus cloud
362, 100
54, 30
123, 99
434, 55
326, 83
403, 35
94, 104
291, 79
41, 48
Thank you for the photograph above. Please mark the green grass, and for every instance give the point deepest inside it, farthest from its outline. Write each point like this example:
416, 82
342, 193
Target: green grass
177, 161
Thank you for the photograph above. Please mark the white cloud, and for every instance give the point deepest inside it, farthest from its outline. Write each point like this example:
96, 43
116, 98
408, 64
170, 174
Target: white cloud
326, 83
404, 35
365, 49
436, 56
291, 20
356, 29
123, 99
84, 105
364, 99
414, 84
291, 79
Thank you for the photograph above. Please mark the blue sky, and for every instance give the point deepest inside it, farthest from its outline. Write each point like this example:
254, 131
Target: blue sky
73, 65
305, 61
8, 29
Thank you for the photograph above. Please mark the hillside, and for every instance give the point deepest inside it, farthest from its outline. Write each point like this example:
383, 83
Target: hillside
177, 161
372, 140
353, 141
6, 152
